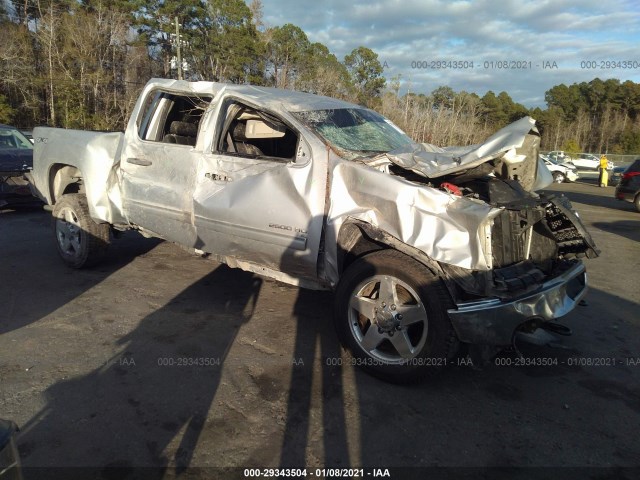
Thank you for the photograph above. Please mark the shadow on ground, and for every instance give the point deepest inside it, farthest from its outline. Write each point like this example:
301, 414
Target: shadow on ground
601, 197
625, 228
148, 400
142, 409
49, 284
529, 406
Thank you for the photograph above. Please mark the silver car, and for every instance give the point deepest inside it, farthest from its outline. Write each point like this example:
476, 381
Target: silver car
426, 247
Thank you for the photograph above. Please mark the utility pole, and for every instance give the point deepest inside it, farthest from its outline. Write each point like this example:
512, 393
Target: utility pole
178, 42
406, 106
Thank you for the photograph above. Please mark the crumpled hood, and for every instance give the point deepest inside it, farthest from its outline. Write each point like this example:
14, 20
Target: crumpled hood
431, 161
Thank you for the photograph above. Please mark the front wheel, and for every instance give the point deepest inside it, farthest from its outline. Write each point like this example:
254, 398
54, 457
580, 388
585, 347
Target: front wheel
558, 177
391, 315
81, 242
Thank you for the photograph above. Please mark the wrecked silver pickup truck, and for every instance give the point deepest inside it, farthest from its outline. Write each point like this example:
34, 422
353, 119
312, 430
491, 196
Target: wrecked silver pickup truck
426, 248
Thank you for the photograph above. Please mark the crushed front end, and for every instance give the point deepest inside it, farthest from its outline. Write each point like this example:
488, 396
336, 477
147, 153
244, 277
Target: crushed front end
533, 246
537, 244
510, 257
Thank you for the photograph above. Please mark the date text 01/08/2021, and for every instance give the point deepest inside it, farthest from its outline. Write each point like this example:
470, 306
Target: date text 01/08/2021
571, 361
484, 65
317, 472
416, 361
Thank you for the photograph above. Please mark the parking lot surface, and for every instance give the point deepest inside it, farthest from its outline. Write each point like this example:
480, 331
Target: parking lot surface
160, 358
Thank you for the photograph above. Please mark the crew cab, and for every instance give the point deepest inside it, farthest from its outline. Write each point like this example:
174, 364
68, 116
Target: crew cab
426, 248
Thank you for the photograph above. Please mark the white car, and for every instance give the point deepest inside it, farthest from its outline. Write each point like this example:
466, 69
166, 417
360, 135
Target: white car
562, 172
558, 156
588, 161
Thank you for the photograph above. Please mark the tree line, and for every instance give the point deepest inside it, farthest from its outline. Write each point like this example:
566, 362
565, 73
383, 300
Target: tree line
82, 63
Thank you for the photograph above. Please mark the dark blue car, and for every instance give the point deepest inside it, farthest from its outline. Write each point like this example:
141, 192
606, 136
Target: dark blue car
16, 158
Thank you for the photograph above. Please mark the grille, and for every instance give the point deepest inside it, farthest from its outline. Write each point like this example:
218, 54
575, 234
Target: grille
512, 235
567, 230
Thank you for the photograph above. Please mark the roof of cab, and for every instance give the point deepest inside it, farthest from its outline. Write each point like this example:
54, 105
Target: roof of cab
274, 98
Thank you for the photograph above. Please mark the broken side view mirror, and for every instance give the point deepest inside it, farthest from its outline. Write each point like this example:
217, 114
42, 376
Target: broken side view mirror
261, 129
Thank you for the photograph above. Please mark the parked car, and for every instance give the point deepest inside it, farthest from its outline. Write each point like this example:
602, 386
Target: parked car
628, 188
616, 174
588, 161
425, 247
562, 172
558, 156
16, 159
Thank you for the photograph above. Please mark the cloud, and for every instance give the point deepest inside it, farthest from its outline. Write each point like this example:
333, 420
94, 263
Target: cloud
401, 32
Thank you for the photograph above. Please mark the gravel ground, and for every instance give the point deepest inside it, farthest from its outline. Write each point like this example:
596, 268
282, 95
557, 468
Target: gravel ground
165, 360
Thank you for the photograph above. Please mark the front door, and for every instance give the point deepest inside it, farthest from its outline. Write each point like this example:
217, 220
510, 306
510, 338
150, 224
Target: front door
259, 197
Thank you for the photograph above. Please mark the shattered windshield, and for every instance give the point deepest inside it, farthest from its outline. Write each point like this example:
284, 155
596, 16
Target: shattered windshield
355, 132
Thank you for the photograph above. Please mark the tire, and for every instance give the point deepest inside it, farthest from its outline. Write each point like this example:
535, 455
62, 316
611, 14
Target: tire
636, 202
81, 242
558, 177
375, 329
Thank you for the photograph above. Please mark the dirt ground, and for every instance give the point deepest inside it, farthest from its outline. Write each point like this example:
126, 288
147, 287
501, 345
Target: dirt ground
165, 360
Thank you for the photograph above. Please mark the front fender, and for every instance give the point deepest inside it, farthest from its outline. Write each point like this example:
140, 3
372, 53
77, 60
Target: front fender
447, 229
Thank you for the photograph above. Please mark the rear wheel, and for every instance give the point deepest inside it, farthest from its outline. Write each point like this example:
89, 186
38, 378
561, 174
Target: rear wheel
81, 242
636, 202
391, 315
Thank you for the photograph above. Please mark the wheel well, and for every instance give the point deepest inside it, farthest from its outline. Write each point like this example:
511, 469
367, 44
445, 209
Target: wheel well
64, 179
353, 243
358, 238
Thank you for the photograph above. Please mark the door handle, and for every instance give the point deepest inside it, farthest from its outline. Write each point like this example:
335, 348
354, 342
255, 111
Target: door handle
217, 177
139, 161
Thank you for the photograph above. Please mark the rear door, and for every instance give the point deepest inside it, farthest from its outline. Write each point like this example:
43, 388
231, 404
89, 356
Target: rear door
159, 165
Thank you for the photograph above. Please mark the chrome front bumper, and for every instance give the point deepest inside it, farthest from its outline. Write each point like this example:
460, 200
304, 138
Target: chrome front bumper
493, 322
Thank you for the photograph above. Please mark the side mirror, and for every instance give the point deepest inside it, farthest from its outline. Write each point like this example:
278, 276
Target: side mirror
260, 129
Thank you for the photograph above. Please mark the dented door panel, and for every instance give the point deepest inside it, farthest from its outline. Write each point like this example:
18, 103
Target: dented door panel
157, 181
266, 212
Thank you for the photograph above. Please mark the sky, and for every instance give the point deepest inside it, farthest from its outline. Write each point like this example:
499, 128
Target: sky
542, 43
